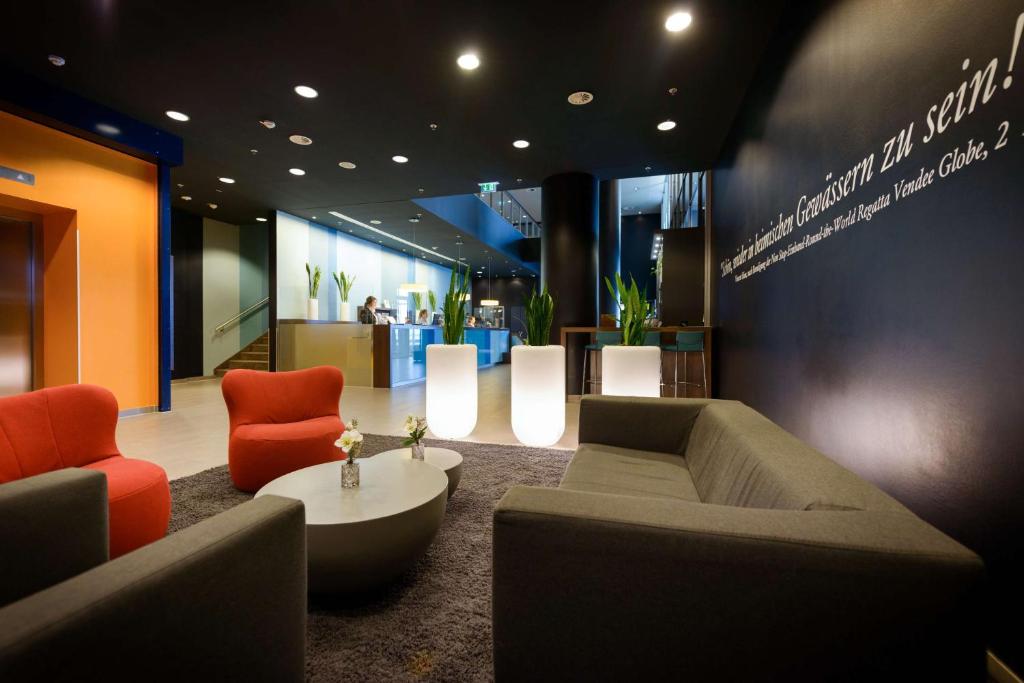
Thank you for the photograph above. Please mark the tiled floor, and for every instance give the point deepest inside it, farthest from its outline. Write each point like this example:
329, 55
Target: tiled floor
194, 435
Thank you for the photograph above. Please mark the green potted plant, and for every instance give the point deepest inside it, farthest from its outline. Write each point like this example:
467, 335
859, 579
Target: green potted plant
432, 300
634, 368
417, 304
451, 368
344, 283
538, 377
312, 303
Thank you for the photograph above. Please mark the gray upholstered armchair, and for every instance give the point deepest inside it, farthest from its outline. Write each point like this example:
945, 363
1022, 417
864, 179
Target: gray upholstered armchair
222, 600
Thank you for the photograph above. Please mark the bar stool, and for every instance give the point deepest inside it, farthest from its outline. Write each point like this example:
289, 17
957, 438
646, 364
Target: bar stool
653, 338
688, 342
601, 340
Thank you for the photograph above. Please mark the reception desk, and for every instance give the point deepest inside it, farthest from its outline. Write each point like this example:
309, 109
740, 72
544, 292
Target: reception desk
405, 349
376, 355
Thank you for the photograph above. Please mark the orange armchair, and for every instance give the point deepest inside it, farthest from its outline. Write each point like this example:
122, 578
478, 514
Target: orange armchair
281, 422
73, 426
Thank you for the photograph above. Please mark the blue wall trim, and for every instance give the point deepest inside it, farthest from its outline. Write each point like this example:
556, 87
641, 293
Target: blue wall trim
43, 103
166, 339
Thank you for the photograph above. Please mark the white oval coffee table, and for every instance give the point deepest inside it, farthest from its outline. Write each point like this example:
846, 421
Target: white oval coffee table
361, 538
443, 458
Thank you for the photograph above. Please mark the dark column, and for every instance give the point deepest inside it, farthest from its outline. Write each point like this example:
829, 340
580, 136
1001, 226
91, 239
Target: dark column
568, 259
608, 244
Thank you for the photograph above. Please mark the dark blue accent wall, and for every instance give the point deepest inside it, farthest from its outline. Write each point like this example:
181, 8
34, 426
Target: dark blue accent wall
886, 329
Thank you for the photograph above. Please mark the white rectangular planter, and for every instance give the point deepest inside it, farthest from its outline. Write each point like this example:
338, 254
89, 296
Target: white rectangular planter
312, 309
538, 394
631, 371
451, 389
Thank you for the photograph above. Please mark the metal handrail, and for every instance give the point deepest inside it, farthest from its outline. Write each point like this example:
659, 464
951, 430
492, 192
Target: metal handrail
235, 318
512, 211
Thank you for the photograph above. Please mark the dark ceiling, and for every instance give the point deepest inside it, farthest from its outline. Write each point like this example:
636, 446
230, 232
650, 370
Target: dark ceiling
385, 71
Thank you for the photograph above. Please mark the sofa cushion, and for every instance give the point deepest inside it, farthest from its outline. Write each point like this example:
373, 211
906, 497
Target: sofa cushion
260, 453
738, 457
599, 468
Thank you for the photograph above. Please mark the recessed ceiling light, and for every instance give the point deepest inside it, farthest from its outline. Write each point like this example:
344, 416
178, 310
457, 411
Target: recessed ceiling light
186, 198
229, 181
679, 21
305, 91
254, 151
221, 191
212, 206
108, 129
57, 60
668, 124
375, 221
521, 144
261, 219
420, 190
300, 139
176, 115
399, 159
414, 219
267, 123
581, 97
468, 61
296, 171
347, 165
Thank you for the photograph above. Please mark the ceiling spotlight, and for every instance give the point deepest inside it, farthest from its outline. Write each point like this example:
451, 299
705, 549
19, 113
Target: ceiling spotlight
181, 184
678, 22
347, 165
261, 219
267, 123
521, 144
375, 221
305, 91
667, 124
673, 91
108, 129
254, 151
399, 159
296, 171
186, 198
468, 61
647, 168
57, 60
414, 219
176, 115
229, 181
212, 206
433, 126
300, 139
581, 97
420, 190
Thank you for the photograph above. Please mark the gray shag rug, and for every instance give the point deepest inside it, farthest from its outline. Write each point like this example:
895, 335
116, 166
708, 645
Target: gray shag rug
434, 623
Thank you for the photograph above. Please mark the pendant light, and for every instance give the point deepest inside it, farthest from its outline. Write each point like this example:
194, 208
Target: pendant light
413, 287
489, 301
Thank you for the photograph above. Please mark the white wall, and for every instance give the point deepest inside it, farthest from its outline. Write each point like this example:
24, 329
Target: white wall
220, 291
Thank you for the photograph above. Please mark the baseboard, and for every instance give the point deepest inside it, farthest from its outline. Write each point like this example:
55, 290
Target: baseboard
999, 672
187, 380
138, 411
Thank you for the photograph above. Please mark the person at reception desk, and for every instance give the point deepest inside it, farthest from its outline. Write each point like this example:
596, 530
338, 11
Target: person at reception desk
423, 318
471, 321
369, 315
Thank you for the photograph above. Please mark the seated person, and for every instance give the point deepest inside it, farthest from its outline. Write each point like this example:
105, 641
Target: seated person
422, 318
471, 321
369, 315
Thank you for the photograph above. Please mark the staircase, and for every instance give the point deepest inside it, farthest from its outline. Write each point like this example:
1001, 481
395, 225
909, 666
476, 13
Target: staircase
255, 356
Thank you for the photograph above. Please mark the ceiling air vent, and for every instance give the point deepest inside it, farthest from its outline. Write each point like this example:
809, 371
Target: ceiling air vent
581, 97
300, 139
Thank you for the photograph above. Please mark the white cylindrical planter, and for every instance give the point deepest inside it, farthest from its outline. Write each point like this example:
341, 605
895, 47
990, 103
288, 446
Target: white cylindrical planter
538, 394
631, 371
312, 309
451, 389
345, 311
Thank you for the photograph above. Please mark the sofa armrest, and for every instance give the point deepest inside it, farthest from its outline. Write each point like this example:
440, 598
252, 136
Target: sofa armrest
608, 587
52, 527
647, 424
222, 600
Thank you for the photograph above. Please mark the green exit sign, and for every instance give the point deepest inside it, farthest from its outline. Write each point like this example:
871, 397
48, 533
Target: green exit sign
489, 187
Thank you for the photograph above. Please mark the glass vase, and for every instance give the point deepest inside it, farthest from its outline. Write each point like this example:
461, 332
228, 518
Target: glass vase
349, 474
419, 451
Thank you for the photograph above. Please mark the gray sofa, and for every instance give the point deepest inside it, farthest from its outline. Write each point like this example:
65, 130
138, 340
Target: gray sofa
695, 540
222, 600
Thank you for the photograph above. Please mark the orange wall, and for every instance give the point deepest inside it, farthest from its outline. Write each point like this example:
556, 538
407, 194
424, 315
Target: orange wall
114, 200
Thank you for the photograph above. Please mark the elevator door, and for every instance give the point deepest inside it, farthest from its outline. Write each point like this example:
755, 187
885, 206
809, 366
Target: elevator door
16, 264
